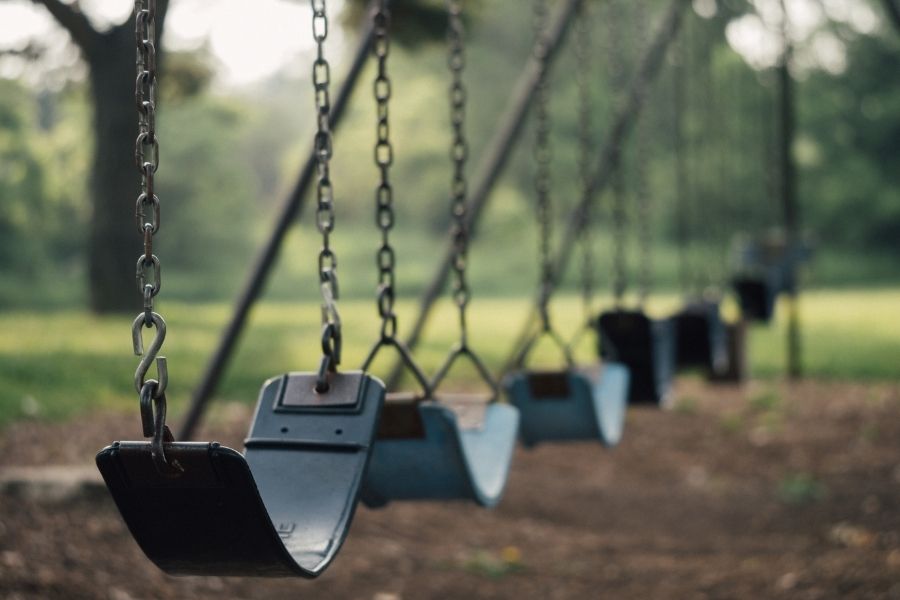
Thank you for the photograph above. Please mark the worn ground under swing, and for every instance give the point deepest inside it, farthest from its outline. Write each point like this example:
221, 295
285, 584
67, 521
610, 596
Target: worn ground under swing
771, 491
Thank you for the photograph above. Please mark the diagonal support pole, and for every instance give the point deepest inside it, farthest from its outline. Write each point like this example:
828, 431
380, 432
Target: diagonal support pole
290, 211
623, 124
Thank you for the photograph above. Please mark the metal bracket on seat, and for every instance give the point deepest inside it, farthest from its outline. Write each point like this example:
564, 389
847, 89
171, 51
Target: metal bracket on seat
400, 418
549, 385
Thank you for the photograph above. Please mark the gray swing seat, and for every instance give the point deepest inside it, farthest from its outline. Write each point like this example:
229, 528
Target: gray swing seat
282, 509
572, 404
425, 452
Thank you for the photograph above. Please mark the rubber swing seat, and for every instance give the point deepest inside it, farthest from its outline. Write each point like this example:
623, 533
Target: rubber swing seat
570, 405
646, 346
282, 509
425, 451
701, 337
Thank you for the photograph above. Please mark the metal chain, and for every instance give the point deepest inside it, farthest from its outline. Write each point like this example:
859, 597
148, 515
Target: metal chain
328, 280
680, 148
459, 153
705, 94
384, 193
645, 226
583, 79
542, 158
619, 200
620, 238
151, 392
147, 210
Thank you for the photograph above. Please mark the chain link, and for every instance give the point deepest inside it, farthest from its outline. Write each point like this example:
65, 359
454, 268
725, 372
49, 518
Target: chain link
384, 193
459, 153
148, 272
323, 146
542, 158
583, 79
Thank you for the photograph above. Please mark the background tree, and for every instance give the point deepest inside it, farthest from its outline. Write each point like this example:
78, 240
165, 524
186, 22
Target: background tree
109, 56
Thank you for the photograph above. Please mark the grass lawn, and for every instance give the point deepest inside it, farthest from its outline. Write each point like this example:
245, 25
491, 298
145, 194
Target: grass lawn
55, 364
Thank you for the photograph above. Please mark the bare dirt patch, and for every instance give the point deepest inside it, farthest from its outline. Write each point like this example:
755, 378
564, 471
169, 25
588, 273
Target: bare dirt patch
770, 491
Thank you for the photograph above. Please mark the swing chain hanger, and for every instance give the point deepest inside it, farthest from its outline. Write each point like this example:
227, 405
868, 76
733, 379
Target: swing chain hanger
384, 158
323, 147
582, 78
542, 158
148, 273
459, 153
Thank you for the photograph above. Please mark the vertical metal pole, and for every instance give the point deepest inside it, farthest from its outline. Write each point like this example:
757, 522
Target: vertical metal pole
789, 194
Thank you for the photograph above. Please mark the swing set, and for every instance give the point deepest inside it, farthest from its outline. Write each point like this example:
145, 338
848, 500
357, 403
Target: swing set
321, 442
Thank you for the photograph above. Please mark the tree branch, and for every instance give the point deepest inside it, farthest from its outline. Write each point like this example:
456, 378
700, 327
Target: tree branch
73, 21
893, 11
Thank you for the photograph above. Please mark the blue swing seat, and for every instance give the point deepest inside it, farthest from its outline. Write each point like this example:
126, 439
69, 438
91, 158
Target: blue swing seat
701, 337
646, 346
425, 452
574, 404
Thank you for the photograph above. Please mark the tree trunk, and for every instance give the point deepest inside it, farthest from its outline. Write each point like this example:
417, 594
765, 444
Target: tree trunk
114, 243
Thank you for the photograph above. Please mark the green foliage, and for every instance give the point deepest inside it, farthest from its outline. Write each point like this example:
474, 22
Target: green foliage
414, 22
766, 401
188, 74
53, 365
494, 565
228, 157
23, 186
686, 405
732, 423
799, 489
852, 123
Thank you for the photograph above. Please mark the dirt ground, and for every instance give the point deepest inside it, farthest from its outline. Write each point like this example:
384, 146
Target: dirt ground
769, 491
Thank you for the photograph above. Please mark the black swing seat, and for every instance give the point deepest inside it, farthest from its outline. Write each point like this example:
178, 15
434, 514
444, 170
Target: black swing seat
427, 450
701, 338
572, 404
282, 509
756, 296
646, 346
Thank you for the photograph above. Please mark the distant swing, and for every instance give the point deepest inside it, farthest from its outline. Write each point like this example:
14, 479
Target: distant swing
701, 335
569, 403
424, 451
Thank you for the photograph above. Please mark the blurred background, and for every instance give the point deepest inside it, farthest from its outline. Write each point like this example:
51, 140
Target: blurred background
236, 121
